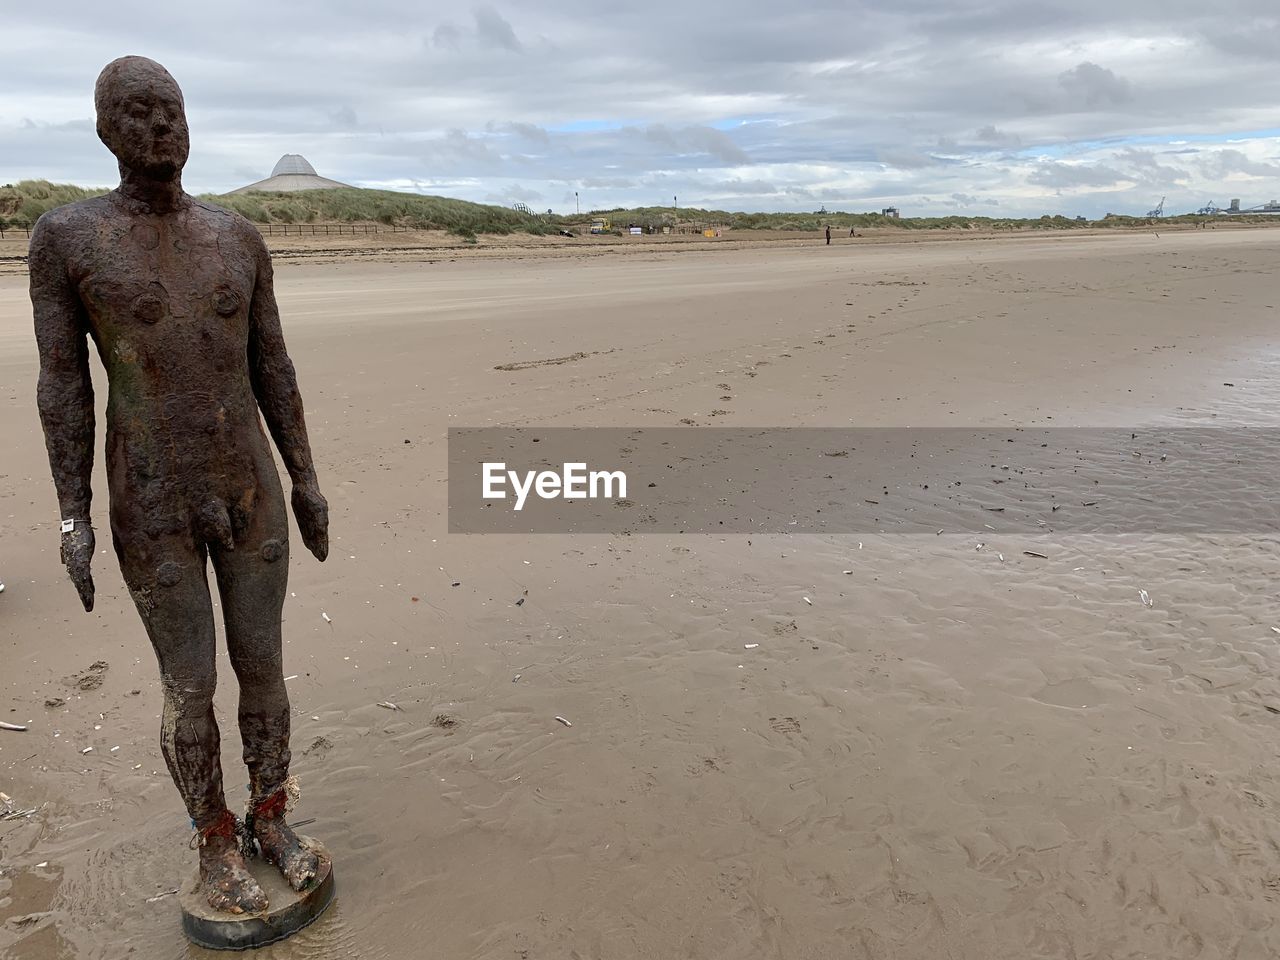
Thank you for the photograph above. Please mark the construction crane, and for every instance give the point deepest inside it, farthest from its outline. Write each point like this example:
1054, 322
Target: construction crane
1158, 211
1210, 209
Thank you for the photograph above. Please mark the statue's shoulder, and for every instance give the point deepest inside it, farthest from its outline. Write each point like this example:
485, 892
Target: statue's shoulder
220, 218
71, 220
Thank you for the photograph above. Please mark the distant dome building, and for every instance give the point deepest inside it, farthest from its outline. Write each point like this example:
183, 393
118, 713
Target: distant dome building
292, 172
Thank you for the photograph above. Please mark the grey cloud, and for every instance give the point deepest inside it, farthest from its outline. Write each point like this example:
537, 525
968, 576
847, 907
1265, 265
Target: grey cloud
908, 159
1095, 85
1060, 175
447, 35
1258, 38
493, 30
344, 116
1147, 167
530, 131
1222, 163
993, 135
458, 153
706, 140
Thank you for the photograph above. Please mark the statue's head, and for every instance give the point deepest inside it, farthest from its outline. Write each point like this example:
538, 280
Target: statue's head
141, 117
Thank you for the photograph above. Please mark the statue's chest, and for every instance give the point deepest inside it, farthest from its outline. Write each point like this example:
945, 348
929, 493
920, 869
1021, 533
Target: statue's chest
173, 275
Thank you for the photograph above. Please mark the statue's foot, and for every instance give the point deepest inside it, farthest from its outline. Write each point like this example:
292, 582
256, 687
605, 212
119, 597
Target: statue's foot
281, 846
227, 883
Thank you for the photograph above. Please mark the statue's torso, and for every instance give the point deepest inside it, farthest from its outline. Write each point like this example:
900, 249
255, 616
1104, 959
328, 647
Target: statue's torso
167, 299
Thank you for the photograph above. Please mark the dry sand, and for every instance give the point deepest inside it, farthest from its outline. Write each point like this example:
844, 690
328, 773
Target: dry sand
945, 755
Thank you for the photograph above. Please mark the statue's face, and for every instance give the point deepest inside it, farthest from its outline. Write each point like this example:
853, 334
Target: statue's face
142, 120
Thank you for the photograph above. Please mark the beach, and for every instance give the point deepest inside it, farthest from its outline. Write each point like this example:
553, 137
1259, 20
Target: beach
810, 746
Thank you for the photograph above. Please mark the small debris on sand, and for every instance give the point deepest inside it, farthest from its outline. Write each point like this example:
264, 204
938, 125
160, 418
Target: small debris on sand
564, 721
387, 705
15, 727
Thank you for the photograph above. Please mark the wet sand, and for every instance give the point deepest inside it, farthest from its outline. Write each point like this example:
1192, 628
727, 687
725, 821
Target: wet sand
948, 752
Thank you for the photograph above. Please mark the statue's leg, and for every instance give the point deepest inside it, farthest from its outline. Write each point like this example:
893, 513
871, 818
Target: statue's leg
166, 578
252, 580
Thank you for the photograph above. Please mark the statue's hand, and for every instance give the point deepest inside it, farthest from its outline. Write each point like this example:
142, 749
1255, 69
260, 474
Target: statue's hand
77, 555
312, 513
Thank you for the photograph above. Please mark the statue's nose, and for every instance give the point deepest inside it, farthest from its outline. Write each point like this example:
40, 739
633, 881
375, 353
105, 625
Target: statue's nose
159, 122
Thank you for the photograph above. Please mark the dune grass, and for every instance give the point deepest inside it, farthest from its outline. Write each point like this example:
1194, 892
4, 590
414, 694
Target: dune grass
25, 201
353, 205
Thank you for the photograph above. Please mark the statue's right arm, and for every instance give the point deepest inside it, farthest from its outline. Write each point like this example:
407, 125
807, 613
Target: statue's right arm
64, 394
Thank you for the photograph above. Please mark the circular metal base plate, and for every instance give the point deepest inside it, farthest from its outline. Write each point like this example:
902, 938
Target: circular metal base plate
289, 912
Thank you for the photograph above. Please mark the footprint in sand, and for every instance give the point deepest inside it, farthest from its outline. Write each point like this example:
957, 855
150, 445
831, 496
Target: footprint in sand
785, 724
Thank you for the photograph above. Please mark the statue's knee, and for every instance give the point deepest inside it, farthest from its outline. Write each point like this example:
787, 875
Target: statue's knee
260, 673
190, 694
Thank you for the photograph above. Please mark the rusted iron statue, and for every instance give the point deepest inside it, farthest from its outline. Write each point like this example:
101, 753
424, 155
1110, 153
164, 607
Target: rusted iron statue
177, 297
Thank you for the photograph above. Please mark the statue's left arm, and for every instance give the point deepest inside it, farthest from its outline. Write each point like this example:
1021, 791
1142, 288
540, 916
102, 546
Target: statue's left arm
275, 384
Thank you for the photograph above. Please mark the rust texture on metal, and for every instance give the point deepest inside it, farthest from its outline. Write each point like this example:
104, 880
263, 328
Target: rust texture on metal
176, 296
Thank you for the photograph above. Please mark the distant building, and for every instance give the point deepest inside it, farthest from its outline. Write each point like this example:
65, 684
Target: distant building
291, 173
890, 212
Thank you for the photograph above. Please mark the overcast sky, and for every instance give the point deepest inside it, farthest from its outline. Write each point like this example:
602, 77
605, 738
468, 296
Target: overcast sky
1016, 107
